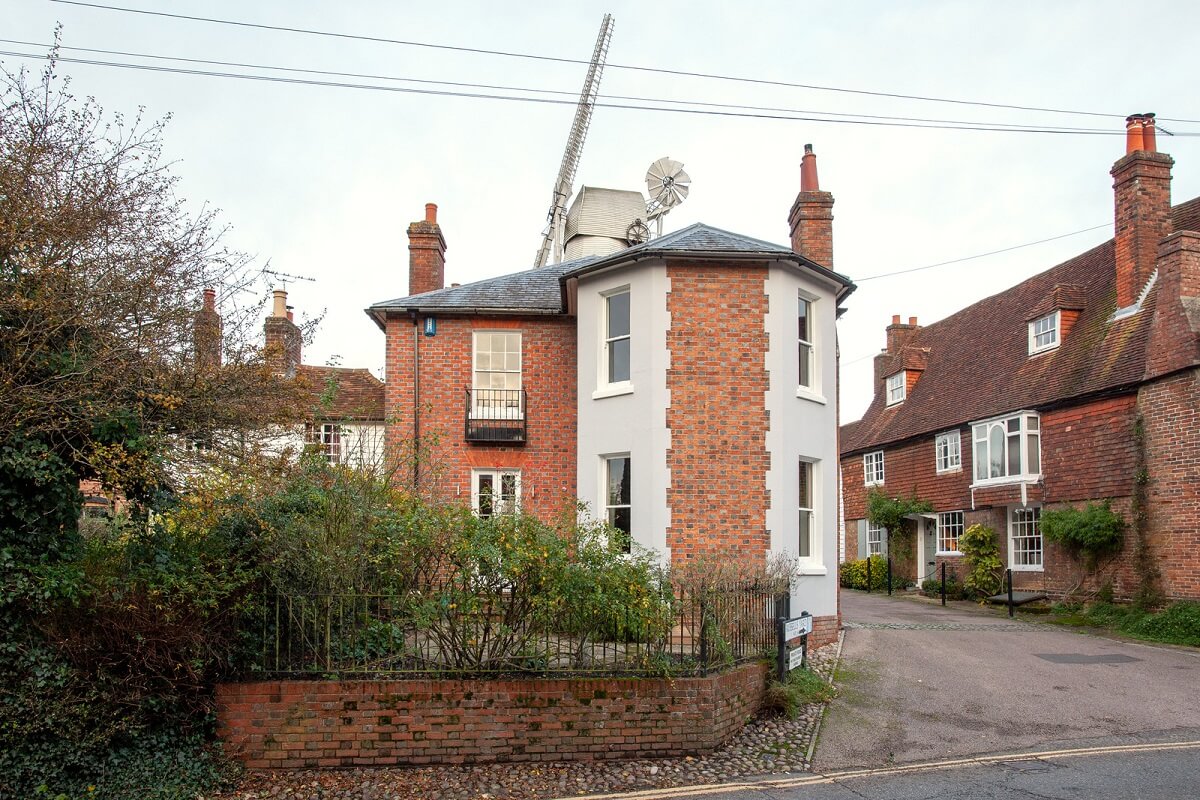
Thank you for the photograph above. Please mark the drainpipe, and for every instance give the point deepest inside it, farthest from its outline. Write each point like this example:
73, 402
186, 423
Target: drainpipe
416, 395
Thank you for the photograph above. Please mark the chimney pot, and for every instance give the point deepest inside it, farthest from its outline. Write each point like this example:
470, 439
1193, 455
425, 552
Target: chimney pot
1134, 139
431, 213
455, 285
912, 321
210, 299
895, 319
808, 171
1148, 131
279, 306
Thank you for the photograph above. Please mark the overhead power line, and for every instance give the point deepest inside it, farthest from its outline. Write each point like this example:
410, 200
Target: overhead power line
788, 117
631, 67
502, 87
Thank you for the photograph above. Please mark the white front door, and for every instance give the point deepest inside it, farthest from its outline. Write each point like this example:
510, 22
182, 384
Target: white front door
927, 549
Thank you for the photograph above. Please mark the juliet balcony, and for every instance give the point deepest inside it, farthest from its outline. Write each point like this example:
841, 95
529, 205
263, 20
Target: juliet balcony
495, 416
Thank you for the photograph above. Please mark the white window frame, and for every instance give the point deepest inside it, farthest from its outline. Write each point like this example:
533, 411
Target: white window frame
1027, 433
947, 452
809, 474
875, 544
1046, 328
609, 506
950, 526
873, 474
328, 437
806, 351
484, 404
896, 387
1019, 529
606, 384
497, 474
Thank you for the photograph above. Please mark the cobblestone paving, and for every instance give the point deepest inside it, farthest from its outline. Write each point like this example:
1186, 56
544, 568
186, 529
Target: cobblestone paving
769, 745
941, 626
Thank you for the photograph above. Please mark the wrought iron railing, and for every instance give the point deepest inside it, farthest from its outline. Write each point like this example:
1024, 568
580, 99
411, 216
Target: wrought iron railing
495, 415
362, 635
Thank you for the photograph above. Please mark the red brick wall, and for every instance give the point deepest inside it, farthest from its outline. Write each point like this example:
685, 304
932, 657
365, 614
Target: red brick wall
1142, 194
303, 724
811, 221
1171, 413
546, 461
1088, 454
718, 416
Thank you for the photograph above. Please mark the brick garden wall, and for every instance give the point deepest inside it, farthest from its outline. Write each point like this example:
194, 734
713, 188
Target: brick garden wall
326, 724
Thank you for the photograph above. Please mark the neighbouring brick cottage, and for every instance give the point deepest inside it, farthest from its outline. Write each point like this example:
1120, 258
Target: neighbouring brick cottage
685, 388
1058, 391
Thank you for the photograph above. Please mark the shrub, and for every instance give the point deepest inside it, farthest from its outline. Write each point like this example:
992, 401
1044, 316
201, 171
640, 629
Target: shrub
854, 573
981, 553
932, 587
1089, 533
1178, 623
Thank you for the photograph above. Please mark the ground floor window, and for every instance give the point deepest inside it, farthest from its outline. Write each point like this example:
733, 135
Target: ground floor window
805, 543
949, 528
875, 538
495, 491
618, 500
1025, 538
328, 438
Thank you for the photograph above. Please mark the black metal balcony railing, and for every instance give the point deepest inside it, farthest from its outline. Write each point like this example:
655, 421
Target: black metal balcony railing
495, 415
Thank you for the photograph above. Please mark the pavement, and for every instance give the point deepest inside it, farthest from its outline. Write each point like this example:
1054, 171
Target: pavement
923, 683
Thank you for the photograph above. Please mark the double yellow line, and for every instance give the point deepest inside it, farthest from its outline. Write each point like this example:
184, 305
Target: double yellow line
929, 766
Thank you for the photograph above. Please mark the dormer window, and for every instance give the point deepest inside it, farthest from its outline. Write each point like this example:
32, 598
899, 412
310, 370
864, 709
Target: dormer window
896, 386
1043, 333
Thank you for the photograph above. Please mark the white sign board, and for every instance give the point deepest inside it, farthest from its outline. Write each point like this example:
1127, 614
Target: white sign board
796, 627
795, 657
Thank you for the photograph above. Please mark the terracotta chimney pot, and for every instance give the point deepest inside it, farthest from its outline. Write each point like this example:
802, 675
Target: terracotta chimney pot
431, 213
1134, 139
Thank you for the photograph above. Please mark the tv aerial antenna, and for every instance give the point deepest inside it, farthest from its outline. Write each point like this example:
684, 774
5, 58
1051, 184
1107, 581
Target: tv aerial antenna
285, 277
668, 186
552, 237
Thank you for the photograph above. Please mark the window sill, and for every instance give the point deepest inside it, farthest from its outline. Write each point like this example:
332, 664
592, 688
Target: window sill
809, 394
1043, 350
951, 471
1027, 569
874, 483
811, 569
1009, 480
948, 554
613, 390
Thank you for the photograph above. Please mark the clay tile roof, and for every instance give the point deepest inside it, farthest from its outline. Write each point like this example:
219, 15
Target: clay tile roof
1061, 296
340, 393
978, 363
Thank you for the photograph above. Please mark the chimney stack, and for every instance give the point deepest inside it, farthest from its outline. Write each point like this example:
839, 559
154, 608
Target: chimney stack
426, 254
1142, 195
207, 332
811, 217
898, 333
283, 338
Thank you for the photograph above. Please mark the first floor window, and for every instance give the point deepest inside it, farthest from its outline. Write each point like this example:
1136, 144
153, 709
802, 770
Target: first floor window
1025, 538
1008, 448
805, 339
496, 376
896, 387
875, 538
495, 492
948, 450
617, 501
873, 468
327, 437
616, 336
805, 544
949, 528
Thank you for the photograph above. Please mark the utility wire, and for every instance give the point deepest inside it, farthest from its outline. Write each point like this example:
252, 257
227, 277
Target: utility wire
632, 67
573, 94
982, 255
573, 102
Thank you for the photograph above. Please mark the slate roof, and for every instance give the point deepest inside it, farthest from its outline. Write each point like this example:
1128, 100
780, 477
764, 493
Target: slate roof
358, 395
977, 362
539, 291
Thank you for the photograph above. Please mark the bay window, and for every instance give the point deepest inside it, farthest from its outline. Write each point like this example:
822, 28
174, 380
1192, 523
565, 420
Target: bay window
1008, 449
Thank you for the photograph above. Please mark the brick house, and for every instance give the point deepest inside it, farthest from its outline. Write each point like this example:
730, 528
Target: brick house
684, 388
1057, 391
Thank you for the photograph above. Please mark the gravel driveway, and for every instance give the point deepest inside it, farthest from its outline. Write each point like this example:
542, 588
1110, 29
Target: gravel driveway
921, 682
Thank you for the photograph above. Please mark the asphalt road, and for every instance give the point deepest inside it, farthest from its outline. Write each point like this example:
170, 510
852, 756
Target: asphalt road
1164, 771
924, 683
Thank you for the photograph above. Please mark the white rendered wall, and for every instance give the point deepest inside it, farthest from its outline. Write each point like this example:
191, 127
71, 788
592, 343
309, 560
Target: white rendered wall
634, 422
803, 426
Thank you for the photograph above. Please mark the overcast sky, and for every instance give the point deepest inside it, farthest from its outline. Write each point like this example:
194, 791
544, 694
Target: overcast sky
323, 181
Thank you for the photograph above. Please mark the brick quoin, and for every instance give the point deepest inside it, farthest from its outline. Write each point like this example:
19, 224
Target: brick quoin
546, 461
718, 417
330, 724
